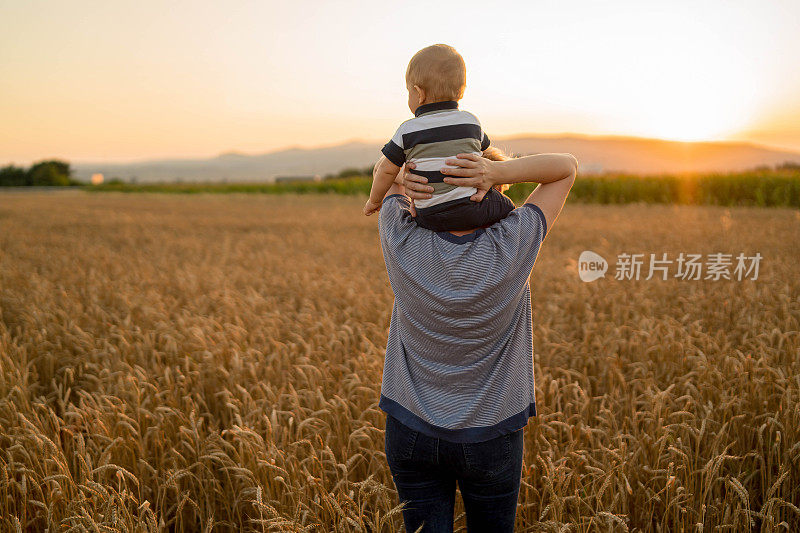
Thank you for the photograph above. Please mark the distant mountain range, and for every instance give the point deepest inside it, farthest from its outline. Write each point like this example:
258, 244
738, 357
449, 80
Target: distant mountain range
595, 155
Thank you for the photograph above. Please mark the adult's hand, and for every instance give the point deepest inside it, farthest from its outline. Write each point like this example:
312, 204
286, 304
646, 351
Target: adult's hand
472, 171
417, 187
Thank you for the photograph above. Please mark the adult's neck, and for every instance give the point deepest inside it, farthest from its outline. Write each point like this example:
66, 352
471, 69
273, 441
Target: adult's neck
464, 232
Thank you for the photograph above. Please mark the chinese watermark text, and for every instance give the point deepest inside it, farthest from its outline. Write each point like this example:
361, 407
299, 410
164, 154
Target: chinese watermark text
684, 266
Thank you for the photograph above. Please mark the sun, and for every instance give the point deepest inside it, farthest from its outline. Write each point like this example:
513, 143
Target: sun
693, 112
681, 125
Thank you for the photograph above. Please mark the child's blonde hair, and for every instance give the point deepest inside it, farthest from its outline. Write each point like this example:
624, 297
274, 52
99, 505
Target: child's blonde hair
440, 71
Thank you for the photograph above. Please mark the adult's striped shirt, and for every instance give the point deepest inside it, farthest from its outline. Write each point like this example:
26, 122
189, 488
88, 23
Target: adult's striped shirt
459, 355
437, 132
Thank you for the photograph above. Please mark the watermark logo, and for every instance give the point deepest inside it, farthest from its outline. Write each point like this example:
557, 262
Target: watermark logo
686, 266
591, 266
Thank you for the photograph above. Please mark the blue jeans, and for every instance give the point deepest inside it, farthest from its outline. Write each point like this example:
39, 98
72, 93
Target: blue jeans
425, 471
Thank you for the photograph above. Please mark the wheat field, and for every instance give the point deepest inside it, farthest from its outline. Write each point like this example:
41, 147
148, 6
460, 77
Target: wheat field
213, 363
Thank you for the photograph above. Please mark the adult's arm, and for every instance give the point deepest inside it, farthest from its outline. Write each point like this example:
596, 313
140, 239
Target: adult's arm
555, 174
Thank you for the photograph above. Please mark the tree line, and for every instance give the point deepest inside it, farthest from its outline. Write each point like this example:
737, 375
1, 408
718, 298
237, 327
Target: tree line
52, 172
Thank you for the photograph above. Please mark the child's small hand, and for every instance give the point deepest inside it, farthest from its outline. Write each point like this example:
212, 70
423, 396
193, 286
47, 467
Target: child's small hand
371, 207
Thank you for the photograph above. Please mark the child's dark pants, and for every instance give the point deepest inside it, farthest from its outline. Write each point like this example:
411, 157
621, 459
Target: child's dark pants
464, 214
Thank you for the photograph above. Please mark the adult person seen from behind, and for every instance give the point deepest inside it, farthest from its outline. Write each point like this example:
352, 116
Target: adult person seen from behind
458, 384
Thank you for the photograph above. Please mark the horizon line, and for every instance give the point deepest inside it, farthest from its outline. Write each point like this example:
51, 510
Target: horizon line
354, 140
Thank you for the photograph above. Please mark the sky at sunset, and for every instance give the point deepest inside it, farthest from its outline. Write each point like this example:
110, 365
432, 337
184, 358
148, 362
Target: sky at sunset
118, 81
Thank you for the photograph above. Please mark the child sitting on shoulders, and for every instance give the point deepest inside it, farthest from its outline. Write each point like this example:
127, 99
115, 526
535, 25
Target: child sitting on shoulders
435, 79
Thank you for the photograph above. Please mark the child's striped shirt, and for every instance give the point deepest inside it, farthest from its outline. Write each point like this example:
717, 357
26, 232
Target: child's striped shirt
437, 132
